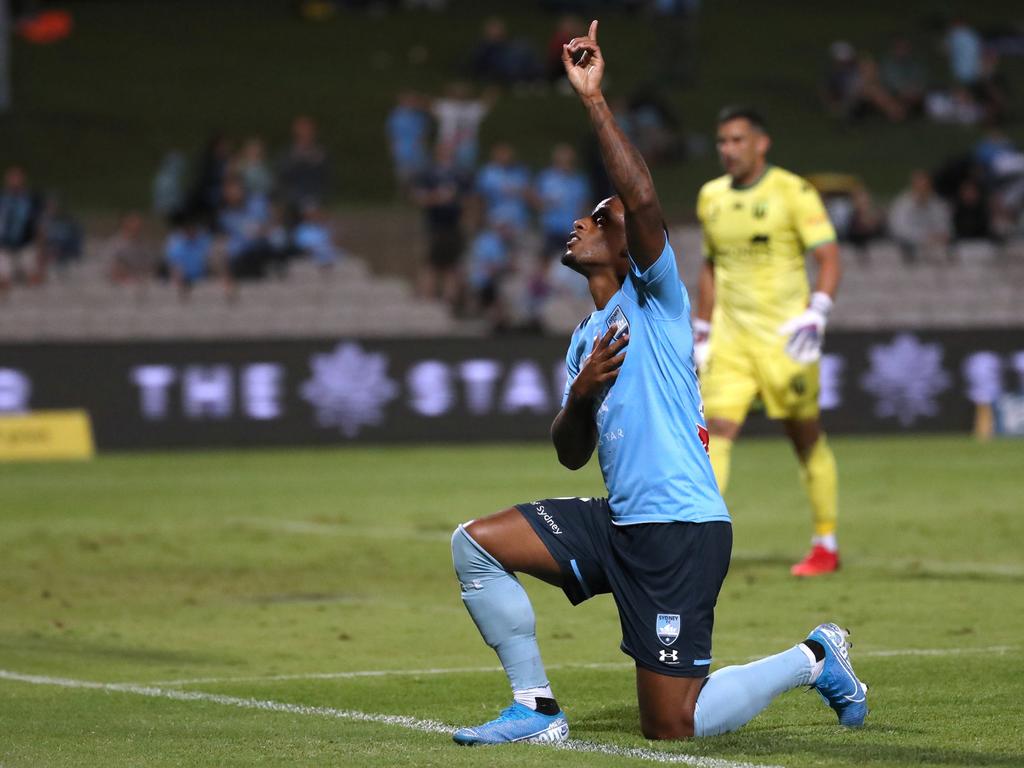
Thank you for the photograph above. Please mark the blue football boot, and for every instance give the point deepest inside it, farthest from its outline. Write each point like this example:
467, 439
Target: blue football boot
516, 723
838, 685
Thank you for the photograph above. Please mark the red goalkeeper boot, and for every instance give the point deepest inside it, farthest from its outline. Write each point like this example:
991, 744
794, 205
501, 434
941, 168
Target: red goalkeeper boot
818, 561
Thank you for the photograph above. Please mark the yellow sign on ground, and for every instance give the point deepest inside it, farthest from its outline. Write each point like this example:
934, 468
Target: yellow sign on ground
44, 435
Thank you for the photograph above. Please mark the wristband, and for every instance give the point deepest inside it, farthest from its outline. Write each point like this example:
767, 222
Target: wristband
821, 302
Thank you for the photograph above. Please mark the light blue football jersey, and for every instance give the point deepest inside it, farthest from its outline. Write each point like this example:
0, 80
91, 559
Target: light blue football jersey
651, 435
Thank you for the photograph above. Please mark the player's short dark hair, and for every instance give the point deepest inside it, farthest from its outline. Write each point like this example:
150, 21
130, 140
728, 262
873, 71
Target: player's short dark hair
740, 112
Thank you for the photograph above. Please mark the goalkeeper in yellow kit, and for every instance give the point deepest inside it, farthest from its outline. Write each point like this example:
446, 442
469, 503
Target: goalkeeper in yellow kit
758, 329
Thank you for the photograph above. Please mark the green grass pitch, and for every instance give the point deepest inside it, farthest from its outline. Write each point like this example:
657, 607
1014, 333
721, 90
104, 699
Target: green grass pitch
269, 578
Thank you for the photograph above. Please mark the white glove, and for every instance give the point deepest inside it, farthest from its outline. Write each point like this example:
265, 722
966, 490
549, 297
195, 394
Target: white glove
701, 336
806, 331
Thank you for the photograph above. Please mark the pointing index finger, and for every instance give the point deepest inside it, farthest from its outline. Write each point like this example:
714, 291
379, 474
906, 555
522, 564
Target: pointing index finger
592, 34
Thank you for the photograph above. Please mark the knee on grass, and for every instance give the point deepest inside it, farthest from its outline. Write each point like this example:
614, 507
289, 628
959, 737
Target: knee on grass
667, 727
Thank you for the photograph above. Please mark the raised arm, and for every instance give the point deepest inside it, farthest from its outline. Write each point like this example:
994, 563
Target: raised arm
645, 224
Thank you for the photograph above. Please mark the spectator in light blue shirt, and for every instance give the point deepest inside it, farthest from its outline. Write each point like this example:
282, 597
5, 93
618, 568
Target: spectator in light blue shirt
561, 193
504, 187
313, 237
252, 168
490, 260
187, 252
242, 219
242, 225
488, 257
964, 47
408, 128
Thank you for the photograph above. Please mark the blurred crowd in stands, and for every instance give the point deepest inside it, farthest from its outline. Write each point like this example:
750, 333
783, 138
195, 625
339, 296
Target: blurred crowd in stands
494, 226
491, 227
37, 232
974, 196
234, 215
495, 233
242, 216
898, 86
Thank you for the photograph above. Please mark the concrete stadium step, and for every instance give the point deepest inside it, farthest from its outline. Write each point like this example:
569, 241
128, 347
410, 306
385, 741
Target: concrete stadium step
187, 321
980, 285
348, 268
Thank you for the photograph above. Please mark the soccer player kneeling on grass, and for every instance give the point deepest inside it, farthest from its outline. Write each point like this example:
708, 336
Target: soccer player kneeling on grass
661, 542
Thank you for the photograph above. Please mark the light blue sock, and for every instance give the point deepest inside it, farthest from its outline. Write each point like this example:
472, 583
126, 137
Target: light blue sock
732, 696
501, 610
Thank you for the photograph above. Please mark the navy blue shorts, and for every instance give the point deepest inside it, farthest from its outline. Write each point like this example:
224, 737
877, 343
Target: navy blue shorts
665, 577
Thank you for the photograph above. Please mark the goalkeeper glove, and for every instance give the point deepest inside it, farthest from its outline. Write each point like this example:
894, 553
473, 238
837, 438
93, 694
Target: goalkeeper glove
806, 331
701, 337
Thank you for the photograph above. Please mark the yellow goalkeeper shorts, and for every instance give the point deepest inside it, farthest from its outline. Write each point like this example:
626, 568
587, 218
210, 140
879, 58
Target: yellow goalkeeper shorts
733, 376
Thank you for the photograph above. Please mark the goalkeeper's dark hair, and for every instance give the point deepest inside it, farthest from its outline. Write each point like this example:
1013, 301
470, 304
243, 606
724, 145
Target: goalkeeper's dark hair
741, 112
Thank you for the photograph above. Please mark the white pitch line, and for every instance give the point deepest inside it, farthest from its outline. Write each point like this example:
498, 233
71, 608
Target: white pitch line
880, 653
329, 675
402, 721
995, 649
376, 673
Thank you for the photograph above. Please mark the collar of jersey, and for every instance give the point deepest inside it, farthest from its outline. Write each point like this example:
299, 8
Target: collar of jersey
612, 302
755, 182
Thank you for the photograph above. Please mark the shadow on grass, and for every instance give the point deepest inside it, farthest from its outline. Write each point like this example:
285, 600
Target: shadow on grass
858, 749
72, 646
791, 743
606, 723
924, 574
752, 560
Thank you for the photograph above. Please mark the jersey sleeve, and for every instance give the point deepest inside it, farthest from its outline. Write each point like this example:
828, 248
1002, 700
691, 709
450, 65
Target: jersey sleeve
809, 217
658, 288
572, 362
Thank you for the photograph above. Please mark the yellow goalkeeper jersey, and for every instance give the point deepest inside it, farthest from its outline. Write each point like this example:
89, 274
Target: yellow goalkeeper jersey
757, 236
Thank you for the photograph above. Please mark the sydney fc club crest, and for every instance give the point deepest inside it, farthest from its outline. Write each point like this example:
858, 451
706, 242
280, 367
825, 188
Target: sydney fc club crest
667, 627
617, 320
